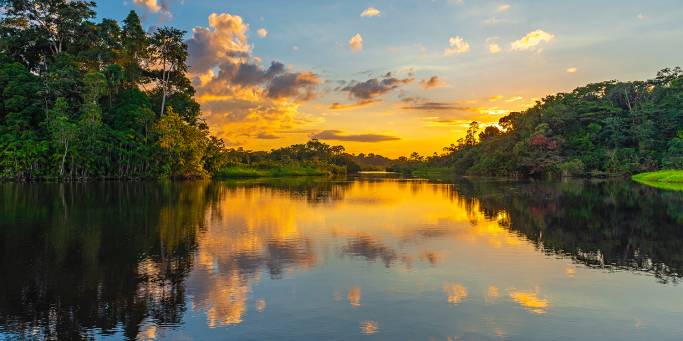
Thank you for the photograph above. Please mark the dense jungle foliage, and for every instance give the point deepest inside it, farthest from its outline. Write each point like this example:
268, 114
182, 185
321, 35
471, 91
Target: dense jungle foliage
82, 100
607, 128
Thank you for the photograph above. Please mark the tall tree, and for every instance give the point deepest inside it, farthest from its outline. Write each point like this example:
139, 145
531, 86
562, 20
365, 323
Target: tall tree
55, 22
168, 54
135, 47
61, 129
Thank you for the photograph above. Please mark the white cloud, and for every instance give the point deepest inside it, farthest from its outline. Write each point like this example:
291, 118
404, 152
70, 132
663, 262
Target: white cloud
571, 69
494, 48
531, 40
262, 32
370, 12
356, 43
457, 45
503, 8
641, 16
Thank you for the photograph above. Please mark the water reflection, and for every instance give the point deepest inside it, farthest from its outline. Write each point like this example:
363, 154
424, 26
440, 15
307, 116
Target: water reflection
530, 301
369, 327
147, 260
455, 292
600, 224
78, 258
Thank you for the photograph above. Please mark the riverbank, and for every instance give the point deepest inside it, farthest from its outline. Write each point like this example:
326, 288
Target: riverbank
276, 172
665, 179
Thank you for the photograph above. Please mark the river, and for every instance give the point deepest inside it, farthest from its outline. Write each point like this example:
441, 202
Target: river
319, 259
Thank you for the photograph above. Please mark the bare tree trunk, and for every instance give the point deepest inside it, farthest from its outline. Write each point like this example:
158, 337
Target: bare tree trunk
628, 101
66, 150
164, 85
163, 99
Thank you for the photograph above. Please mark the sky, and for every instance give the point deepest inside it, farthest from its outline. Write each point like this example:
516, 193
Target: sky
397, 76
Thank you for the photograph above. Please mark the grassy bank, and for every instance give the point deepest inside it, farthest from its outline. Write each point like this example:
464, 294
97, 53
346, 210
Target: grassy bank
665, 179
433, 172
276, 172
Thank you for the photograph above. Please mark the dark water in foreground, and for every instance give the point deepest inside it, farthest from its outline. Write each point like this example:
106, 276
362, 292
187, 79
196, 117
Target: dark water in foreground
309, 259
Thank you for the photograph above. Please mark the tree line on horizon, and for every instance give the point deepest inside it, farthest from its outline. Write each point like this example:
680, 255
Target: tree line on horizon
601, 129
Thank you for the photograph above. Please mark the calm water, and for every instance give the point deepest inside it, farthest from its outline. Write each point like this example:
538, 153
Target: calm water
366, 258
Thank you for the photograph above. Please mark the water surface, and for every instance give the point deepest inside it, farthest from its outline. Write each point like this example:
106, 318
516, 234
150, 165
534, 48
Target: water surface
310, 259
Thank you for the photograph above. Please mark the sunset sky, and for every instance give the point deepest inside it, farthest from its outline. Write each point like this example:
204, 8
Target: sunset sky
394, 76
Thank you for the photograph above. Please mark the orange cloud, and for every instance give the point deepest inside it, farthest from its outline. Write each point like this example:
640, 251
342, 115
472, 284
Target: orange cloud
240, 98
151, 5
356, 43
432, 82
262, 32
514, 99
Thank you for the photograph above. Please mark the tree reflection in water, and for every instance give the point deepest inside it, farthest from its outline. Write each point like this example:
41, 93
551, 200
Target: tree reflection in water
80, 259
603, 224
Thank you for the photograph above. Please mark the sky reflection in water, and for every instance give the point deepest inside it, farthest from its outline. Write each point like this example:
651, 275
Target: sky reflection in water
372, 258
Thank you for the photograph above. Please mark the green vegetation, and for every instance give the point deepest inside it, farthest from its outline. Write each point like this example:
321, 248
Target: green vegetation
434, 173
313, 158
83, 100
665, 179
80, 99
604, 129
237, 172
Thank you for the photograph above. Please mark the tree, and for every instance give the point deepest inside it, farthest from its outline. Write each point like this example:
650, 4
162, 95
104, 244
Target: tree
20, 114
168, 53
70, 98
489, 132
61, 129
471, 136
183, 146
91, 131
673, 157
135, 46
55, 22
